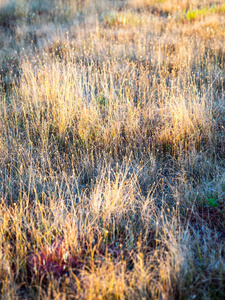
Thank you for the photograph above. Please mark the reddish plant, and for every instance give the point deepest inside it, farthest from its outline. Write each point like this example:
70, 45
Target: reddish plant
55, 260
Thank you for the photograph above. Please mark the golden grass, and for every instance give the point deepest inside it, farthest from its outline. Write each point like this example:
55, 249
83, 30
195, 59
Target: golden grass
112, 151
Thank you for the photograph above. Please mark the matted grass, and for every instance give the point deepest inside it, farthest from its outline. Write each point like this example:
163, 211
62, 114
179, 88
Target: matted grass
112, 150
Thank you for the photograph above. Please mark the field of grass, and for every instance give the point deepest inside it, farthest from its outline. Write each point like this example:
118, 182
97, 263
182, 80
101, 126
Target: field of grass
112, 149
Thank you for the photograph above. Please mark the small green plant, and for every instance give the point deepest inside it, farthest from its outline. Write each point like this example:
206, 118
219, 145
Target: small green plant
212, 201
101, 100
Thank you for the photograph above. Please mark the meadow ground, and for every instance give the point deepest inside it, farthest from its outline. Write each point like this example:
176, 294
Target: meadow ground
112, 148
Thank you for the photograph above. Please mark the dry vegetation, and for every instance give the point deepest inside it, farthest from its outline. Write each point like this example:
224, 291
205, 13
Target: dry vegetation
112, 148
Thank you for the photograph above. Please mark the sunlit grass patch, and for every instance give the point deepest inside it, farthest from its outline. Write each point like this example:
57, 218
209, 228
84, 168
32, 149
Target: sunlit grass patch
185, 125
197, 14
63, 99
220, 9
122, 19
112, 148
192, 9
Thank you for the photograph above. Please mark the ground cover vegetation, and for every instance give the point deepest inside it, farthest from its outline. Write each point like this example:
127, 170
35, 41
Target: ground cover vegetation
112, 148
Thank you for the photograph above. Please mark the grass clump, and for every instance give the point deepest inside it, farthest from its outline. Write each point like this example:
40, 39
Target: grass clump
122, 19
200, 13
194, 14
112, 150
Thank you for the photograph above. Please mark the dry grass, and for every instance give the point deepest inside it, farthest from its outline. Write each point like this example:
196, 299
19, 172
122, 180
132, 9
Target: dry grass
112, 150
